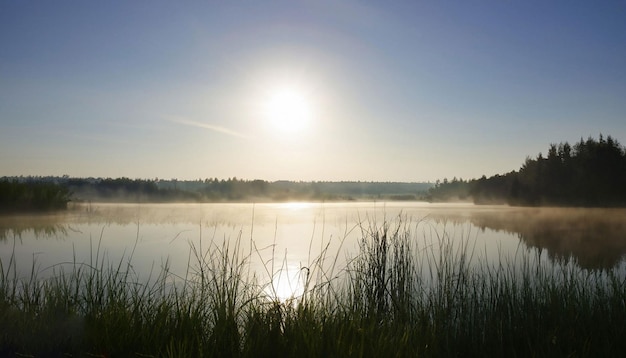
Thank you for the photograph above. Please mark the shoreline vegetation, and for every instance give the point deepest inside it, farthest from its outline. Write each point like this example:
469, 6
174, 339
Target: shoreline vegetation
590, 173
394, 297
35, 196
397, 295
125, 190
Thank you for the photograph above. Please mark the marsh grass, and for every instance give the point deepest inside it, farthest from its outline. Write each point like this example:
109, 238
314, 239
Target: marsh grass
399, 295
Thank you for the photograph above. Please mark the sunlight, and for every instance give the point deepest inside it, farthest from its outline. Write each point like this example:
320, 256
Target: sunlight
295, 205
288, 110
287, 283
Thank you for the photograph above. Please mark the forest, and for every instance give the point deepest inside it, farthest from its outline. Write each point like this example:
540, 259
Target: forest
591, 173
18, 196
28, 193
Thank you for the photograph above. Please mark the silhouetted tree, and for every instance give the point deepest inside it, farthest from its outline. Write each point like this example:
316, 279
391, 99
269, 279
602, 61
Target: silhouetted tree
591, 173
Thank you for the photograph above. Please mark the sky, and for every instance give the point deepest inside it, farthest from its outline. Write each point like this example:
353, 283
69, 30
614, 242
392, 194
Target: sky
335, 90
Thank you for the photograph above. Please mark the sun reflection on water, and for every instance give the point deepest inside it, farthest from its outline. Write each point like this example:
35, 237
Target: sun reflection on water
287, 283
295, 205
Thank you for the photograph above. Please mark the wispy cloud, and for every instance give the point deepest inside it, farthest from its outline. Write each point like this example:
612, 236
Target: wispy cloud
210, 127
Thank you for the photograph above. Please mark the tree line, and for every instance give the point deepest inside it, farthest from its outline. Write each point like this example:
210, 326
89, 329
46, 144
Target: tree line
42, 193
590, 173
234, 189
18, 196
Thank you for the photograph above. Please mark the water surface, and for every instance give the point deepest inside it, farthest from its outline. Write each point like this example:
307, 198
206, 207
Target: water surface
286, 237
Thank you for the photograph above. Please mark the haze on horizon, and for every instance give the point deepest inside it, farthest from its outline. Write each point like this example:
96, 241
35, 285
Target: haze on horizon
311, 90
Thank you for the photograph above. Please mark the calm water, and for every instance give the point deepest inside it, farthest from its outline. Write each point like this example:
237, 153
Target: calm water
284, 237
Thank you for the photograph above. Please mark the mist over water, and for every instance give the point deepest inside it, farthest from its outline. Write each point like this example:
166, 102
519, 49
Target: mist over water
284, 239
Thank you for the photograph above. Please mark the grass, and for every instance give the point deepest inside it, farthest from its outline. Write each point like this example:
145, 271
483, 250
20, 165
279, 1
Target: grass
393, 298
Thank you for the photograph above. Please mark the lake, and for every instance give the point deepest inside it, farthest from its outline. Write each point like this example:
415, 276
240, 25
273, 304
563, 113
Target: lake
280, 239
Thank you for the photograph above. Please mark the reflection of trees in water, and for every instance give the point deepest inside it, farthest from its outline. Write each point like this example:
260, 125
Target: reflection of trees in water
17, 229
61, 225
159, 214
594, 238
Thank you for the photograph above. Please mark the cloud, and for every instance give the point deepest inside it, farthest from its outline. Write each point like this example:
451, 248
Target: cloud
210, 127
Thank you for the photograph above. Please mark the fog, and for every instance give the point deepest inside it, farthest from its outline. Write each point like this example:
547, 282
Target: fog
294, 234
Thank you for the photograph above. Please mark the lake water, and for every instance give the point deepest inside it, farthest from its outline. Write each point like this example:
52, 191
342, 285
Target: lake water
285, 237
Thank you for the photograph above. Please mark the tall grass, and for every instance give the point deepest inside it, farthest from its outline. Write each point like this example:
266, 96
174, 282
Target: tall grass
398, 295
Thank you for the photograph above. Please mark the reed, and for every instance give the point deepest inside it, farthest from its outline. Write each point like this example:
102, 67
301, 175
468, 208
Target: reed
398, 295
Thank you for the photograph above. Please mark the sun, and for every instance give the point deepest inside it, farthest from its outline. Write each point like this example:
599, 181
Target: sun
288, 111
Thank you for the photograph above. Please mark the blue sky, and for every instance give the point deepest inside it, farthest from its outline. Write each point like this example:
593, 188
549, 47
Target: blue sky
396, 91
